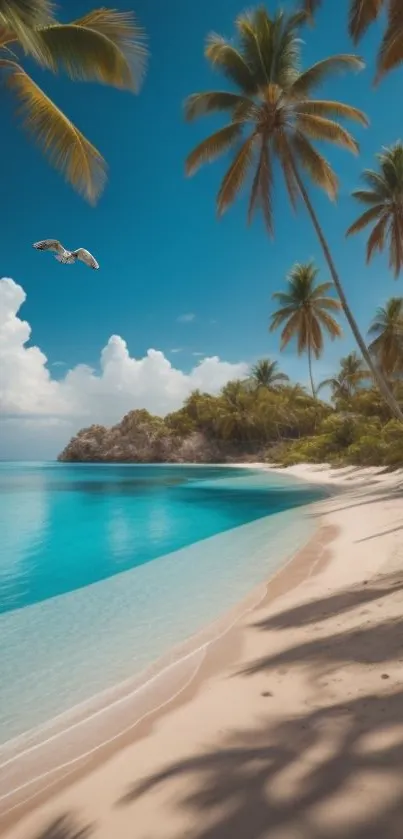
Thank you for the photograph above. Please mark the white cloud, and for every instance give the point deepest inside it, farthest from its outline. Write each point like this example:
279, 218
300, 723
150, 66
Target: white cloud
39, 413
176, 350
199, 354
186, 318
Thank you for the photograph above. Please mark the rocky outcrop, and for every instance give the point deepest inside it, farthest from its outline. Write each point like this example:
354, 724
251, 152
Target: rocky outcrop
138, 438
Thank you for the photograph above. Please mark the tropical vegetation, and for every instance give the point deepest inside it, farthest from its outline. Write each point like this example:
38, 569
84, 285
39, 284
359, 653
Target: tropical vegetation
386, 331
274, 119
305, 313
266, 373
362, 14
269, 418
105, 46
384, 199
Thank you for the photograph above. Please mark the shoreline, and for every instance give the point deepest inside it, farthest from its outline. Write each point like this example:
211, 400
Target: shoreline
170, 675
312, 563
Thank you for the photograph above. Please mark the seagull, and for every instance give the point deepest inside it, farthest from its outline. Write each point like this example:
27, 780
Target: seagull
64, 256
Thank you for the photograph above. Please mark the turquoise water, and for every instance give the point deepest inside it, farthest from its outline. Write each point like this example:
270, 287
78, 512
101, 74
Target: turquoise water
64, 527
103, 569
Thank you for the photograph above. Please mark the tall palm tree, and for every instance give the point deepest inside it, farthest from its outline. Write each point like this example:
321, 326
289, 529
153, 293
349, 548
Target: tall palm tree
272, 105
384, 198
105, 45
362, 14
305, 313
266, 374
387, 332
351, 376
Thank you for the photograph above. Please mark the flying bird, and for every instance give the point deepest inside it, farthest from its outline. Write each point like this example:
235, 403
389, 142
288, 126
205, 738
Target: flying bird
64, 256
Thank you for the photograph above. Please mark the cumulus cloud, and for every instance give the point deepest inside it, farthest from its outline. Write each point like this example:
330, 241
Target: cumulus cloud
45, 411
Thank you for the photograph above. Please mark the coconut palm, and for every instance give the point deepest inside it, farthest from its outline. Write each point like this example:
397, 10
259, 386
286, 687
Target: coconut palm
384, 198
266, 374
105, 45
387, 332
274, 118
362, 14
305, 313
350, 378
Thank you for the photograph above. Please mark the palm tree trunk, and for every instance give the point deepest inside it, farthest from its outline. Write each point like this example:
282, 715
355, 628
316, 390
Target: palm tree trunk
376, 375
310, 371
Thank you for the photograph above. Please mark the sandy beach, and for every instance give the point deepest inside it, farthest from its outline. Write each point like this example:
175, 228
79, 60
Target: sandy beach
292, 727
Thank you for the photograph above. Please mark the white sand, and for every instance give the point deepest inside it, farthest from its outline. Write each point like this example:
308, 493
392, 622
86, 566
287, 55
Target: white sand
293, 729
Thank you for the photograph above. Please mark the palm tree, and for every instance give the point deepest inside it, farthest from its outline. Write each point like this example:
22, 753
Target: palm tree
387, 332
272, 104
265, 374
105, 45
384, 198
305, 312
351, 376
365, 12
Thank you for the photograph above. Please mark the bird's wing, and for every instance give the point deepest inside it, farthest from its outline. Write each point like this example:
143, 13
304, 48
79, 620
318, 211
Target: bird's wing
49, 245
86, 257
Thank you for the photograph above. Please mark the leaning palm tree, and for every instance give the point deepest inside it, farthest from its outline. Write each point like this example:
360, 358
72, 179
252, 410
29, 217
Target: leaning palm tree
350, 378
362, 14
104, 45
305, 313
266, 374
273, 118
387, 332
384, 199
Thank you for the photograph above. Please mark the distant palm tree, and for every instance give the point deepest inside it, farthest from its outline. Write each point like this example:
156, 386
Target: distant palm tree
365, 12
265, 373
387, 332
305, 313
385, 199
351, 376
104, 45
273, 105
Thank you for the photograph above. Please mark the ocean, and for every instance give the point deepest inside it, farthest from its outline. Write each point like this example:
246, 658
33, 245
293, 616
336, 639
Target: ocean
104, 569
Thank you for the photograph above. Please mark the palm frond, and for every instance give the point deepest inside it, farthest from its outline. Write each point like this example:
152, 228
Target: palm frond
64, 145
226, 58
317, 166
362, 14
262, 188
85, 55
211, 148
319, 128
282, 149
328, 108
366, 196
396, 245
320, 72
328, 303
376, 241
21, 18
323, 288
391, 51
370, 215
255, 37
200, 104
123, 29
234, 178
294, 328
311, 6
333, 328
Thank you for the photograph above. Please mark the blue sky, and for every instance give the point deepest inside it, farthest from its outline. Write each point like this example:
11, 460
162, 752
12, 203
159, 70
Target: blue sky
162, 251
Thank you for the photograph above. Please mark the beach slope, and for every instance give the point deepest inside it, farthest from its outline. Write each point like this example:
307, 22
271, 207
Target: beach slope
293, 727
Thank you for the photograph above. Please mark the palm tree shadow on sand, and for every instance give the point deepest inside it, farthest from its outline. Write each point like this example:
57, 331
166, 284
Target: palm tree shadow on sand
64, 827
290, 777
